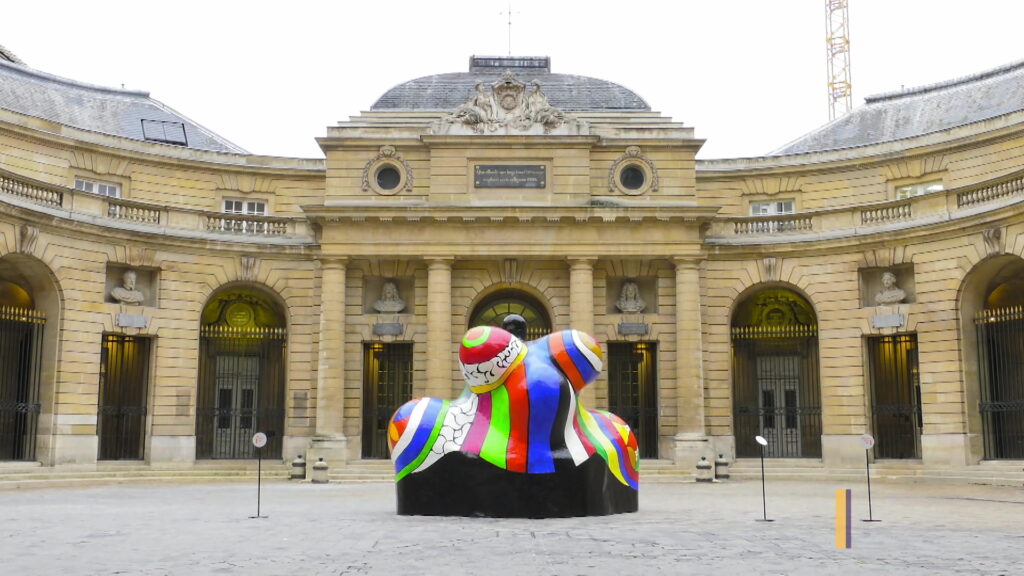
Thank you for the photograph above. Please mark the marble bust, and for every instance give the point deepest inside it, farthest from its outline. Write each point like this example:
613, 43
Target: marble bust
389, 301
629, 300
126, 293
890, 292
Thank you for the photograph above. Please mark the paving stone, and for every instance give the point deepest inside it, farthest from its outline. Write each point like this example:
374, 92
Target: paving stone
352, 529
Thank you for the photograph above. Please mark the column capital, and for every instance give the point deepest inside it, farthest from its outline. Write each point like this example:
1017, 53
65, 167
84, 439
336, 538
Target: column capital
688, 262
336, 262
581, 261
433, 261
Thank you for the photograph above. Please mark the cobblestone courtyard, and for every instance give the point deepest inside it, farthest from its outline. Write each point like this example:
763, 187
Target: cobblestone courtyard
353, 529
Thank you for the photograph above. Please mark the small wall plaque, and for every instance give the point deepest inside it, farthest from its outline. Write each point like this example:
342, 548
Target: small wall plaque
388, 329
633, 328
132, 321
510, 176
887, 320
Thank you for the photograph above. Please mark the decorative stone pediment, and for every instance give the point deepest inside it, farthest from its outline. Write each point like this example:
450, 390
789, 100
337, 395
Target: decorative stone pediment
509, 108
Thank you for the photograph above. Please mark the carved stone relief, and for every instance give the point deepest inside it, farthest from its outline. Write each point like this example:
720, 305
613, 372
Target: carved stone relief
390, 300
993, 241
768, 269
510, 271
890, 292
630, 301
27, 237
508, 107
127, 292
248, 266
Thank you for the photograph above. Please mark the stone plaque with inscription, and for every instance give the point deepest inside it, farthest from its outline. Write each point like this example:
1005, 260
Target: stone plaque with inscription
887, 320
388, 329
633, 328
510, 176
132, 321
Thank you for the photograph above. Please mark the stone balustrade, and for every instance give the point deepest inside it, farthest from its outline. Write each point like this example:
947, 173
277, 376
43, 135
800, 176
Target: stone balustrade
148, 214
37, 193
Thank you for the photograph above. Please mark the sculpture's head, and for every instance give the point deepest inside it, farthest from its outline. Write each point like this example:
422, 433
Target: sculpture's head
487, 355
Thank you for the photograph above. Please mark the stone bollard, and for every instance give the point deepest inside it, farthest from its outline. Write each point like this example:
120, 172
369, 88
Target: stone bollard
319, 475
705, 470
298, 468
721, 468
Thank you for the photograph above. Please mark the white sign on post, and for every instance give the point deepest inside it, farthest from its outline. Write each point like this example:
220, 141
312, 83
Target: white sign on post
868, 441
259, 440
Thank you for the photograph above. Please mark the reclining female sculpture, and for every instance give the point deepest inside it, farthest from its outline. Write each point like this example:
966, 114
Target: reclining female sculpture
516, 443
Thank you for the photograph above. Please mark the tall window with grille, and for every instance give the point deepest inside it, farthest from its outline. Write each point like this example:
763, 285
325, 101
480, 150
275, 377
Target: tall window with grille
895, 395
387, 384
633, 390
124, 386
1000, 335
21, 346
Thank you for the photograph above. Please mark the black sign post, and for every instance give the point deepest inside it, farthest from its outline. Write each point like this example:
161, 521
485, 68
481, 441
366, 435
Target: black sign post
259, 440
764, 498
868, 441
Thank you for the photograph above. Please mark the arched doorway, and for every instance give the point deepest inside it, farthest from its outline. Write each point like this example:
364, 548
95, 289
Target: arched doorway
241, 375
493, 309
21, 347
999, 330
776, 393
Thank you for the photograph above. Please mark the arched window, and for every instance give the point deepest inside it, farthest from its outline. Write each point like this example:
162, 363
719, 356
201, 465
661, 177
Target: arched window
775, 375
493, 310
241, 376
1000, 340
21, 333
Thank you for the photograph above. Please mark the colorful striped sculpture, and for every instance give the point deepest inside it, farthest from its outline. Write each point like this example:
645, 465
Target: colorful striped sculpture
516, 442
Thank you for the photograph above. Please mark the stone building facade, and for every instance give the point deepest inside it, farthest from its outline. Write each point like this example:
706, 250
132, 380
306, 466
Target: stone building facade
165, 294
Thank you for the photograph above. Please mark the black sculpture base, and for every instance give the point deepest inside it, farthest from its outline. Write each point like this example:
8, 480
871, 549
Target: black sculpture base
462, 484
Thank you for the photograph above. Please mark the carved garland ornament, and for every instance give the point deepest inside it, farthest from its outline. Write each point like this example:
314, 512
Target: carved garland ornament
387, 157
633, 158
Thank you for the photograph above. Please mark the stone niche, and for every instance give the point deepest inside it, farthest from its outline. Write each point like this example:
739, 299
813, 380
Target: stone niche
146, 284
374, 296
646, 291
872, 286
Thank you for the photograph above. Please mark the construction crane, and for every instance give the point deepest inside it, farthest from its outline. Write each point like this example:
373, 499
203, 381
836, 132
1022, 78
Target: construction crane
837, 45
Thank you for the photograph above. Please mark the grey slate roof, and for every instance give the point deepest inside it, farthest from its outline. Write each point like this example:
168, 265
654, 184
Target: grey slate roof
95, 108
918, 111
564, 91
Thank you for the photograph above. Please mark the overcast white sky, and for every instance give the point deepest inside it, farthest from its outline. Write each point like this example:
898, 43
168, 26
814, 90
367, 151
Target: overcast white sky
748, 75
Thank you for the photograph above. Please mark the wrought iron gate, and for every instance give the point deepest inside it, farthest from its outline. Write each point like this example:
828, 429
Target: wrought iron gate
387, 384
895, 395
775, 391
124, 386
1001, 358
633, 390
241, 391
21, 353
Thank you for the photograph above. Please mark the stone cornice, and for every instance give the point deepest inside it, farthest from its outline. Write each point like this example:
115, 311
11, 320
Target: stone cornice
411, 211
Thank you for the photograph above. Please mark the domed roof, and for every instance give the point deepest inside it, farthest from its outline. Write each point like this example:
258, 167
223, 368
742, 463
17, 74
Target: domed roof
566, 92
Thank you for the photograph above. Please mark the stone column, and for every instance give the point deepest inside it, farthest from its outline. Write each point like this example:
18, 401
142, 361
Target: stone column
691, 440
581, 310
329, 440
439, 328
